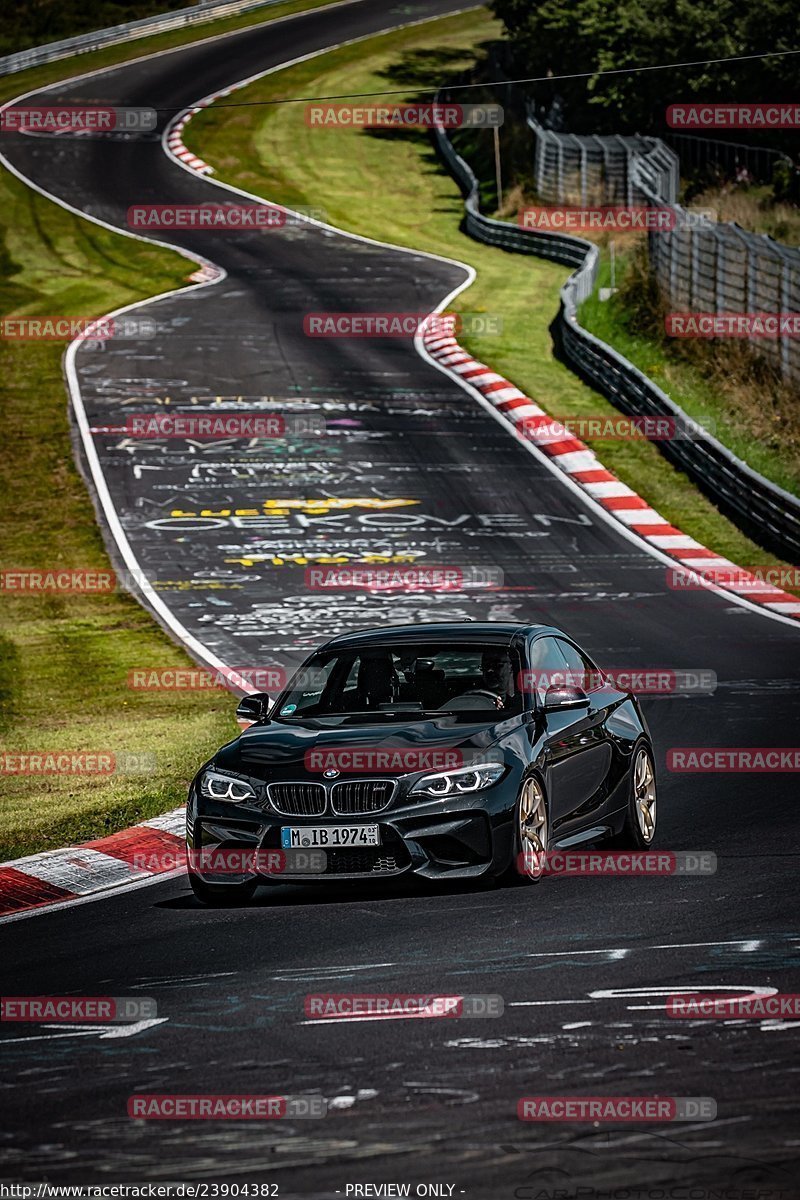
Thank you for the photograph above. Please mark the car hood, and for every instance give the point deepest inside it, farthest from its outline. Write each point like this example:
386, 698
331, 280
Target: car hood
278, 746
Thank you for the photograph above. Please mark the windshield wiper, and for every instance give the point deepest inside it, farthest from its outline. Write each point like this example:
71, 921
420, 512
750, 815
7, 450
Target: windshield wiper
415, 712
372, 712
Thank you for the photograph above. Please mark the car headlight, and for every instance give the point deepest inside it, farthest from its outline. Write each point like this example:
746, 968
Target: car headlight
222, 787
460, 782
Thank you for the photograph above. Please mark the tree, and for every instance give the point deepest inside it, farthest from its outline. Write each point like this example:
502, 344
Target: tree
549, 37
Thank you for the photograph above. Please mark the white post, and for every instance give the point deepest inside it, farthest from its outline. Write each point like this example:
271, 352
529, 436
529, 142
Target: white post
497, 173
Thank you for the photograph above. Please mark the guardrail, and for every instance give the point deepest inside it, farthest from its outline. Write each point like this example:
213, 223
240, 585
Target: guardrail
767, 513
85, 42
701, 266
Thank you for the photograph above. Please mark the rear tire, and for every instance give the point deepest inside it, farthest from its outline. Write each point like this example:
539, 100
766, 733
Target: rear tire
220, 895
639, 829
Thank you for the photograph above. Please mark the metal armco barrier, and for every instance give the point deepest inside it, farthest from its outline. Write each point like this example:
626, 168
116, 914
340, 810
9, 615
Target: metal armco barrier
705, 266
85, 42
764, 511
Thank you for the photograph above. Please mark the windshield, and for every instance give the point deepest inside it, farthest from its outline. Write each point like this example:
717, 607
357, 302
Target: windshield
479, 679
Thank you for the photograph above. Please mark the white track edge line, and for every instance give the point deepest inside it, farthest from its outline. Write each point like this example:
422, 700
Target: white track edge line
635, 539
101, 894
204, 41
575, 487
98, 477
110, 512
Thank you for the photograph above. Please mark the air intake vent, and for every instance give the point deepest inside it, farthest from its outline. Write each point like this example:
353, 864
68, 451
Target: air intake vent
297, 799
361, 796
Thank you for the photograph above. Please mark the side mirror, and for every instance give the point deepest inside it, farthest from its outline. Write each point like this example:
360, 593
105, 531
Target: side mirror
558, 697
253, 709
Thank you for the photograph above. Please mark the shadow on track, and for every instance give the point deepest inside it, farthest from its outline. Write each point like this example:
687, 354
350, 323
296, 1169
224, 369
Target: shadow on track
344, 892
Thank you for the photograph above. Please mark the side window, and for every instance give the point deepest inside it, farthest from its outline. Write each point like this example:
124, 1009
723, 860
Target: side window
582, 671
547, 666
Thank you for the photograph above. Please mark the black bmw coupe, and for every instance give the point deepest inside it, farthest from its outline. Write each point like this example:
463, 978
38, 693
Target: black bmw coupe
450, 751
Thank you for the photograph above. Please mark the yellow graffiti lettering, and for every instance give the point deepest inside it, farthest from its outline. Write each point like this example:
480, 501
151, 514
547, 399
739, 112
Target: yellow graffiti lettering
328, 503
276, 560
313, 507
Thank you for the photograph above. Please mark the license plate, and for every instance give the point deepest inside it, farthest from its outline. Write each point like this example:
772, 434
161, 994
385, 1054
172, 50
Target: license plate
294, 836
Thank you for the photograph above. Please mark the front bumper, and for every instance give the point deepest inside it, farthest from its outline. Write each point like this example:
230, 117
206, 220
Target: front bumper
462, 837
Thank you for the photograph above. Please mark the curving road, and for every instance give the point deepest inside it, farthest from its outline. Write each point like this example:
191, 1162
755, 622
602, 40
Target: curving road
414, 1101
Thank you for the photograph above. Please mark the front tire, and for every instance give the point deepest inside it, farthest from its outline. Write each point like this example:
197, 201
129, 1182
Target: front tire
219, 895
639, 829
530, 835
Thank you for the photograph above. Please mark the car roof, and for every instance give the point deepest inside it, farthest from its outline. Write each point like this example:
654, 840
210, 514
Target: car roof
457, 632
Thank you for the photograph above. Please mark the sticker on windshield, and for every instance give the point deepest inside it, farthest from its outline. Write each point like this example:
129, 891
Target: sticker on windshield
288, 709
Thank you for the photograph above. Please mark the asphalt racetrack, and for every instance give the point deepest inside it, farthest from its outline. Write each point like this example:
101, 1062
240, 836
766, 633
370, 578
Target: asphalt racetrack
583, 965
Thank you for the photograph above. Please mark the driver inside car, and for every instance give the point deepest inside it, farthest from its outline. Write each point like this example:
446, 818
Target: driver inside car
494, 689
498, 676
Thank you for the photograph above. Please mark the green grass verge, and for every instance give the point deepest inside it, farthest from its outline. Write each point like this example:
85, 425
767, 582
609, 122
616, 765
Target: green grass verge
63, 684
391, 186
752, 206
65, 660
747, 418
37, 77
38, 24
